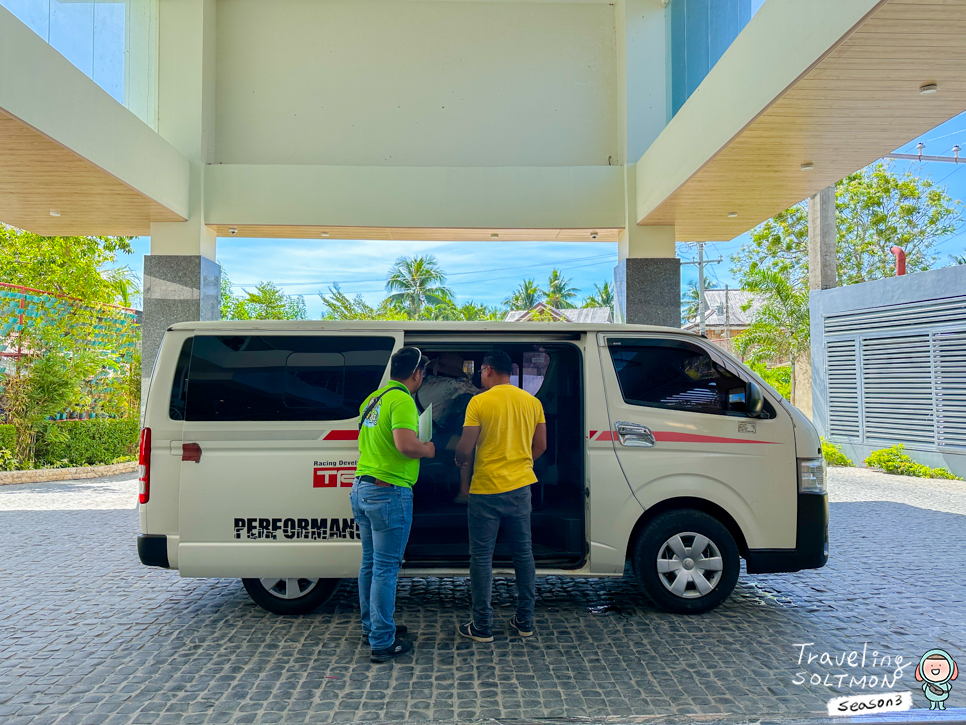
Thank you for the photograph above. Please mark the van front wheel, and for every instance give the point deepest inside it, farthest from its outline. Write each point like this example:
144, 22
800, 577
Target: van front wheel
686, 561
292, 595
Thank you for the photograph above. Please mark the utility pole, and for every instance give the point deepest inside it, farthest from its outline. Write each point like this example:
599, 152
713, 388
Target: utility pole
701, 262
727, 319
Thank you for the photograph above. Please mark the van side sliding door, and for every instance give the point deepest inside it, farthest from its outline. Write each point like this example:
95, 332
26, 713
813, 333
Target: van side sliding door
270, 448
677, 422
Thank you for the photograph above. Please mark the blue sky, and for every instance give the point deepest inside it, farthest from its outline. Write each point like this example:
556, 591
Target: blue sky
488, 271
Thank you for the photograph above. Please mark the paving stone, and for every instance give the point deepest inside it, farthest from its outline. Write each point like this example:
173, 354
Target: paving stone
98, 638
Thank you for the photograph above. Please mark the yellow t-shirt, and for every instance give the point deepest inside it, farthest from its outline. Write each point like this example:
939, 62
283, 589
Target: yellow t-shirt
507, 417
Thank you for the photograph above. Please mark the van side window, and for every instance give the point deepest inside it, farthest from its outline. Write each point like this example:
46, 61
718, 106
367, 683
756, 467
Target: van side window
179, 386
283, 378
677, 375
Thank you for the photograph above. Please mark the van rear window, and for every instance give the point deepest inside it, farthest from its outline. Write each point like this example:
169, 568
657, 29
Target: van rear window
283, 378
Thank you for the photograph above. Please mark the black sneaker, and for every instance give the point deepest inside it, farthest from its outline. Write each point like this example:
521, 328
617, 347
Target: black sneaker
401, 631
471, 631
522, 630
399, 647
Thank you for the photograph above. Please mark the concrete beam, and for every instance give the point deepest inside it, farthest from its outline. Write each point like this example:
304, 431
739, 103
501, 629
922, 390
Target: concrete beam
583, 197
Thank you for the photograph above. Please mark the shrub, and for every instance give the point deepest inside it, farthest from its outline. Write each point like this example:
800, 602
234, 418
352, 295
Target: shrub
834, 456
895, 460
7, 461
779, 378
93, 442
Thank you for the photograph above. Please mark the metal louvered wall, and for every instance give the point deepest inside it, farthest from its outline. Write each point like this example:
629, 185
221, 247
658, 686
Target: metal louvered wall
898, 375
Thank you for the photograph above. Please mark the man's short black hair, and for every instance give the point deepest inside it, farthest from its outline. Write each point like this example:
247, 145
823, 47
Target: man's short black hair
405, 362
499, 361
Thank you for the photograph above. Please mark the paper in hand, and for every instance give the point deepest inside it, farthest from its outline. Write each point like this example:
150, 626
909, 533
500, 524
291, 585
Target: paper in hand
426, 425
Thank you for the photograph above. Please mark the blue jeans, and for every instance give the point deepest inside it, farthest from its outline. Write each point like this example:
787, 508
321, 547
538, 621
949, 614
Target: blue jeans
385, 516
486, 514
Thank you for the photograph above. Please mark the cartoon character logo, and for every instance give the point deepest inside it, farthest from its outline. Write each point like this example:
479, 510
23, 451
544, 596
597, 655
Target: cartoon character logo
936, 670
372, 419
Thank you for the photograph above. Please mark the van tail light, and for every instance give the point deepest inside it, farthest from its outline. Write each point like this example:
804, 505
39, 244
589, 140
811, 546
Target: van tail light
144, 466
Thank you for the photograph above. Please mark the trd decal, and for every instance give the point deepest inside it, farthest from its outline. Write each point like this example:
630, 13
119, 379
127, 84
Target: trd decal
296, 529
328, 475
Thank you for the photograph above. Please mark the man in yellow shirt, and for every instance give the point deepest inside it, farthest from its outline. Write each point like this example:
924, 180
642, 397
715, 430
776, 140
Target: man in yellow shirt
507, 428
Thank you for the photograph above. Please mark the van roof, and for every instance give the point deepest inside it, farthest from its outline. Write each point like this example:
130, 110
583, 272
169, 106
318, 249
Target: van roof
542, 328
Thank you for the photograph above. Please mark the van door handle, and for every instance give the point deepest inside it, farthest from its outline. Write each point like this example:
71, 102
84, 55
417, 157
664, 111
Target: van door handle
191, 452
634, 435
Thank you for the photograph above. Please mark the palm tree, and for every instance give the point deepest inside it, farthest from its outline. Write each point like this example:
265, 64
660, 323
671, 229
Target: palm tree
958, 258
417, 281
780, 328
603, 296
690, 299
525, 296
125, 284
559, 292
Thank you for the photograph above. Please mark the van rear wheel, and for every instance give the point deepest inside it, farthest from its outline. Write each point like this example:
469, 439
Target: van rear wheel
291, 595
686, 561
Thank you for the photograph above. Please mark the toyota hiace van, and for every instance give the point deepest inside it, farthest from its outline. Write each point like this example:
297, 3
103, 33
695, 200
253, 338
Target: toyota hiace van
664, 451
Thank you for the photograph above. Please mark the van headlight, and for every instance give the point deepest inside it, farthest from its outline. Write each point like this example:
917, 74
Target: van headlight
811, 475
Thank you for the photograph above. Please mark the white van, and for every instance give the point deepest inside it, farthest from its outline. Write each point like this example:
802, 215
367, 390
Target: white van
663, 450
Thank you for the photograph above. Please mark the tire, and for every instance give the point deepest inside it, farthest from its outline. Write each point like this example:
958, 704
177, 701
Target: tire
707, 578
290, 596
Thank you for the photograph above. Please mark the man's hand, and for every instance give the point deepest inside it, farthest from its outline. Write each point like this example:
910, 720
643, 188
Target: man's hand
464, 449
408, 443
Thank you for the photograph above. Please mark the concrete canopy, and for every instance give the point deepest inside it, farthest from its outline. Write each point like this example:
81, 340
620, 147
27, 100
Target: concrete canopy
829, 83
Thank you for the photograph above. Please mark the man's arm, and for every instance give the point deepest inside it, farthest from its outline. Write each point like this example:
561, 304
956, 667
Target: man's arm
464, 449
539, 444
408, 443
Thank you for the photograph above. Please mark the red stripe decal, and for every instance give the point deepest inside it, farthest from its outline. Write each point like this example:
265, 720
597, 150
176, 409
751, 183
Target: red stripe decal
607, 435
592, 434
671, 437
342, 435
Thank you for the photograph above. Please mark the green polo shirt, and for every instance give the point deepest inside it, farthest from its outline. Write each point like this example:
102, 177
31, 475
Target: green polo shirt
378, 455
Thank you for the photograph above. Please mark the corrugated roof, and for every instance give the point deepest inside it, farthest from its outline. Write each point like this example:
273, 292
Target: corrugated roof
715, 315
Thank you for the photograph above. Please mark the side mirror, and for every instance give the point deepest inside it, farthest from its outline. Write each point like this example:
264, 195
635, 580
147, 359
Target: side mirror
754, 402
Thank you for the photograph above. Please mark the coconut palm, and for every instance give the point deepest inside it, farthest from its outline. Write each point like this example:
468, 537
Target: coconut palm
559, 292
690, 300
958, 258
415, 282
525, 296
780, 328
125, 284
603, 296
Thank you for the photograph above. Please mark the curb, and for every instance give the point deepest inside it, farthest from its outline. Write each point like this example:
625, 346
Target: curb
43, 475
915, 716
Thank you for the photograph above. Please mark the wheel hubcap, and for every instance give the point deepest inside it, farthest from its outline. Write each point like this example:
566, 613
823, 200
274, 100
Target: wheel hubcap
689, 565
289, 588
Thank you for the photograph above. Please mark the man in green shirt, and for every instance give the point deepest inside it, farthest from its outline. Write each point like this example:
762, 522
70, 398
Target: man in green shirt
382, 497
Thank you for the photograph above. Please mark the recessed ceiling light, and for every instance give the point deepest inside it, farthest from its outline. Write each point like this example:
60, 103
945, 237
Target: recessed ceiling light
494, 235
928, 89
593, 235
732, 214
54, 212
325, 234
808, 166
232, 230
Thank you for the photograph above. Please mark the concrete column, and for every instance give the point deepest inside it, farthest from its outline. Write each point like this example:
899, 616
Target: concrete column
647, 279
182, 280
822, 238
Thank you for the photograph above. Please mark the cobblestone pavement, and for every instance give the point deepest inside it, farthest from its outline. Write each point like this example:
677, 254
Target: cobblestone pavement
88, 635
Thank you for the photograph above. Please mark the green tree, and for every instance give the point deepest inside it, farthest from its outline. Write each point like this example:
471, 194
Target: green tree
525, 296
780, 328
559, 292
232, 306
958, 258
690, 300
268, 302
877, 209
70, 266
126, 285
603, 296
339, 306
415, 282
